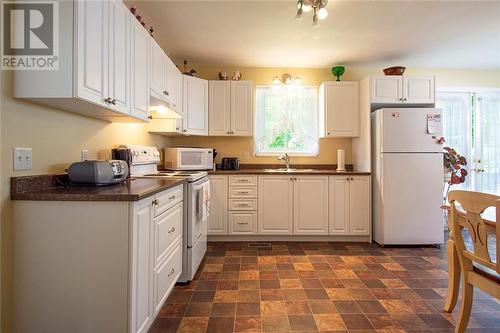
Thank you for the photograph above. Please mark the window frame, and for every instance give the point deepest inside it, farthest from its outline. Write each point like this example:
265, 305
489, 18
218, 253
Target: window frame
290, 153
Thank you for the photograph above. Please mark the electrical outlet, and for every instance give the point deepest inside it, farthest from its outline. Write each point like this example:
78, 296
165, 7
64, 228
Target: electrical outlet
246, 155
22, 159
84, 154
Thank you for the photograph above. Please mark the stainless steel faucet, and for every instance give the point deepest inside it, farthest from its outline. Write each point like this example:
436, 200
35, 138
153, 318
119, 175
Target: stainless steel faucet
285, 158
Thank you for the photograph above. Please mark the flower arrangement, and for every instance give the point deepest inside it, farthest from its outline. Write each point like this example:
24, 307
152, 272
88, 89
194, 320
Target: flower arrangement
454, 164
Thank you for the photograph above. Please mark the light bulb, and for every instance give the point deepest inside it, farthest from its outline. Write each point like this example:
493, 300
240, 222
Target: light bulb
322, 13
306, 8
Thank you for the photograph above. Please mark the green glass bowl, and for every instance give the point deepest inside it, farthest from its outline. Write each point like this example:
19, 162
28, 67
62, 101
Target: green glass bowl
338, 71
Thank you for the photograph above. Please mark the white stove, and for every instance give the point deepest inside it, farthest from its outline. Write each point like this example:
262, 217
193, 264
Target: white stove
144, 164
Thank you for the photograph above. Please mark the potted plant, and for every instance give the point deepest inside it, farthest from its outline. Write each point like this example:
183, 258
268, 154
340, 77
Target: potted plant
454, 167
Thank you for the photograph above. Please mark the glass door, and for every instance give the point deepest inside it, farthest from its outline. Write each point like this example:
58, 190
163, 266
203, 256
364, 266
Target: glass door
486, 168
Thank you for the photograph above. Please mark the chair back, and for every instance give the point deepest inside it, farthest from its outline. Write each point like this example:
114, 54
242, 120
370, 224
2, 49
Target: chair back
474, 204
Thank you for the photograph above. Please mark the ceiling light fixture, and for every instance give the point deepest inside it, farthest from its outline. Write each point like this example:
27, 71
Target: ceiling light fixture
318, 8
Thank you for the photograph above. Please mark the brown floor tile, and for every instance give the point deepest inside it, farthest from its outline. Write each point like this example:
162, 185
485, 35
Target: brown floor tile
209, 276
249, 284
228, 285
311, 283
248, 296
332, 283
322, 307
393, 283
180, 296
207, 285
384, 293
223, 310
268, 275
410, 321
339, 294
383, 321
230, 275
361, 294
297, 307
347, 306
373, 283
165, 325
420, 306
356, 321
352, 283
275, 323
371, 307
198, 309
220, 324
226, 296
302, 322
316, 294
396, 307
271, 295
172, 310
307, 274
290, 283
203, 296
287, 274
248, 324
248, 309
249, 275
329, 322
193, 325
272, 308
269, 284
294, 294
428, 293
435, 321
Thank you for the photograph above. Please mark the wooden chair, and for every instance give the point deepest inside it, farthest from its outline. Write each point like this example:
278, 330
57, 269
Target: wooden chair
477, 267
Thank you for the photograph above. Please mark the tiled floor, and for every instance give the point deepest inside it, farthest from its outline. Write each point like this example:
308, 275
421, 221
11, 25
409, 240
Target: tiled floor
311, 287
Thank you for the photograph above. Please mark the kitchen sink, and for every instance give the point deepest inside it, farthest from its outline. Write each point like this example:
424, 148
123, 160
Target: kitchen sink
289, 170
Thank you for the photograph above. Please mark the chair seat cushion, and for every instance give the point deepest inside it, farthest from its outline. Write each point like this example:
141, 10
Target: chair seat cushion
487, 273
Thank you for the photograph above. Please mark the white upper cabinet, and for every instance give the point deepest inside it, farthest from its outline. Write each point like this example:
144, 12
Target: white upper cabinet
419, 89
165, 78
241, 108
310, 205
119, 61
339, 109
219, 108
394, 89
140, 71
103, 64
230, 108
275, 205
92, 51
195, 106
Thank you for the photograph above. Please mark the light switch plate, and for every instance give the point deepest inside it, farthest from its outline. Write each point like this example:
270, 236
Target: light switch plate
84, 155
22, 159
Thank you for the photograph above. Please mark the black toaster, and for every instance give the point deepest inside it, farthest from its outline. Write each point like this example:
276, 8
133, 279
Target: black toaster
230, 163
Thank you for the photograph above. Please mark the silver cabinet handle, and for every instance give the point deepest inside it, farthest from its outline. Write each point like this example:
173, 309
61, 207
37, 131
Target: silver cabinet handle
171, 230
242, 205
242, 192
241, 222
172, 197
171, 272
243, 180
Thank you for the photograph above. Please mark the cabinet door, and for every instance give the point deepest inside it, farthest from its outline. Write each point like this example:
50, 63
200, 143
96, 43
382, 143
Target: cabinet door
217, 219
339, 205
169, 79
140, 71
157, 69
386, 89
219, 108
243, 223
241, 108
359, 205
195, 104
418, 89
342, 109
177, 104
119, 56
92, 51
142, 270
310, 205
275, 205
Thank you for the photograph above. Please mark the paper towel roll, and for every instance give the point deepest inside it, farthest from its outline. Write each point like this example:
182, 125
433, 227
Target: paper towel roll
341, 160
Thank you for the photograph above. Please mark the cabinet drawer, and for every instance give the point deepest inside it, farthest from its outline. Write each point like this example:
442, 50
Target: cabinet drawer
242, 204
242, 180
243, 223
243, 192
168, 227
169, 198
166, 275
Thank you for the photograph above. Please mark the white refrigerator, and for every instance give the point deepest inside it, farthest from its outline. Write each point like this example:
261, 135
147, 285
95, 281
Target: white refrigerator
407, 176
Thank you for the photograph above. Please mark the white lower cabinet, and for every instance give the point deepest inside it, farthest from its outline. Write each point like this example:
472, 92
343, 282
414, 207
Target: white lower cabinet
242, 222
217, 219
310, 205
349, 204
275, 205
166, 274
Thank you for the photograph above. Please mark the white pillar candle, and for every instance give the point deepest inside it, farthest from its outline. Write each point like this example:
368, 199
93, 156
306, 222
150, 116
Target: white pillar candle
341, 160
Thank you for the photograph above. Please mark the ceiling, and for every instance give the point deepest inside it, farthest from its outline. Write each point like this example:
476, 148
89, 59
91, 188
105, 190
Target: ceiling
427, 34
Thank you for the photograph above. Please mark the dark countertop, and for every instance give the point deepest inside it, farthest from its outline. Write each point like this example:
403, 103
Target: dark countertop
50, 188
261, 169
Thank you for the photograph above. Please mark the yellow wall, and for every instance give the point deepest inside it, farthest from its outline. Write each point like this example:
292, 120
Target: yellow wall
57, 137
237, 146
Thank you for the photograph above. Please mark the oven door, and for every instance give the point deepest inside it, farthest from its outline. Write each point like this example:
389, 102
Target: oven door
199, 200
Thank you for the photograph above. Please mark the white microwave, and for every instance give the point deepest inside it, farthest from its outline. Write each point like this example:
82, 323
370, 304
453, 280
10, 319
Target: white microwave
189, 158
